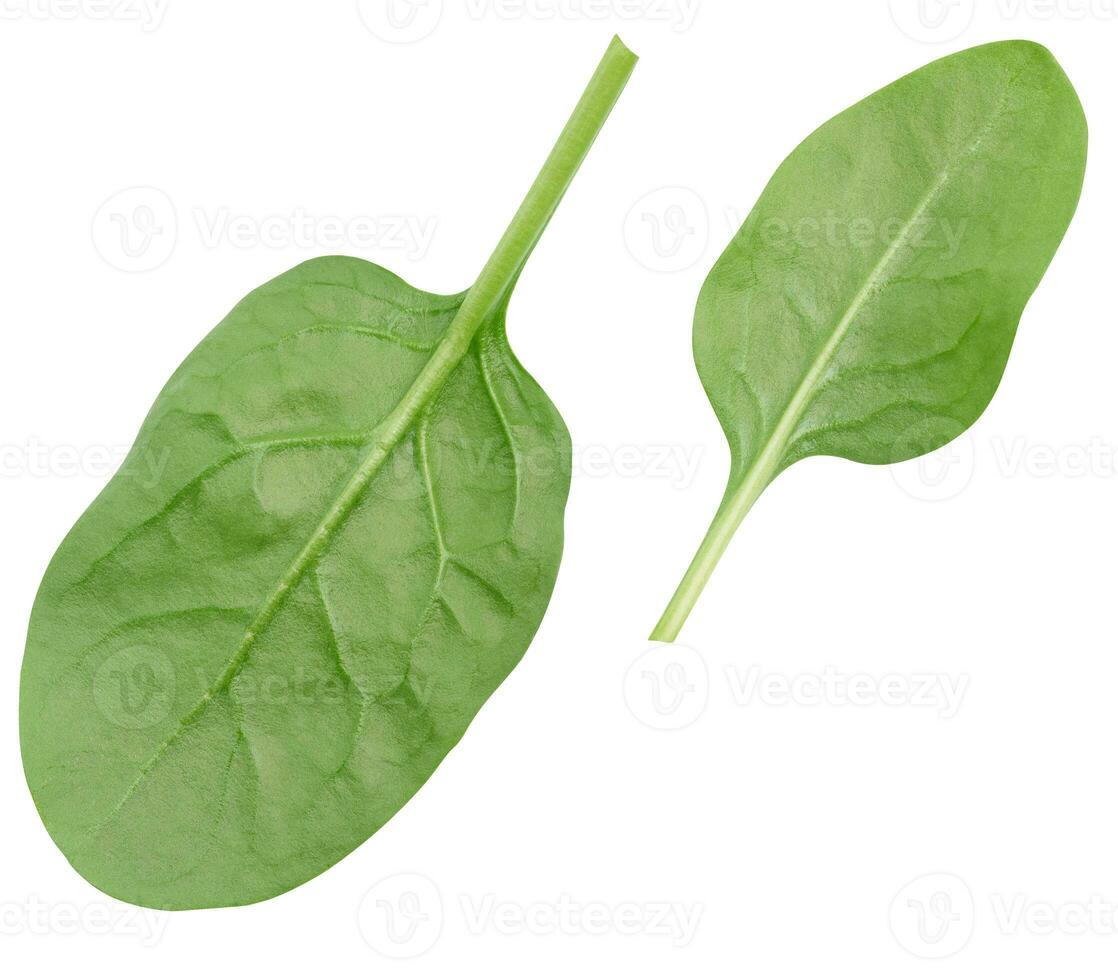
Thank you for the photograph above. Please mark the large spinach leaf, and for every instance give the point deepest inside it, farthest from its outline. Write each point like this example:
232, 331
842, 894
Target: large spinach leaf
867, 306
236, 673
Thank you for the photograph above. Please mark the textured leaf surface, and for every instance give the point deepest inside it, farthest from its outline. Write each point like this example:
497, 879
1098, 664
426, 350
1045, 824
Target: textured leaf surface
256, 645
881, 276
867, 306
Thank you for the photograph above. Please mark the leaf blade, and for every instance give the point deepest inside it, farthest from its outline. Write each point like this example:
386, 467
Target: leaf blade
848, 332
528, 547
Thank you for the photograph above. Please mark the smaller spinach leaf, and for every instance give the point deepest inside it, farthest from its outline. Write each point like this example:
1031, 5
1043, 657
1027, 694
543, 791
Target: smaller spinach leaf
867, 306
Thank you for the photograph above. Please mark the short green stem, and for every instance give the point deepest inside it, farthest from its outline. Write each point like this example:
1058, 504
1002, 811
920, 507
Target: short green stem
722, 528
499, 273
543, 197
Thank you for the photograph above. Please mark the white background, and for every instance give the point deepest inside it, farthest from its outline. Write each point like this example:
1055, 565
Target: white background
960, 612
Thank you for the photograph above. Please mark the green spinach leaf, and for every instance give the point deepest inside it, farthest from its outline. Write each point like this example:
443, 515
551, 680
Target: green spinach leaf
237, 672
867, 306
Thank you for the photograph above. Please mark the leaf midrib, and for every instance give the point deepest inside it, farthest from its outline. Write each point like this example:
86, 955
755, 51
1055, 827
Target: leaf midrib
384, 440
764, 466
766, 463
491, 289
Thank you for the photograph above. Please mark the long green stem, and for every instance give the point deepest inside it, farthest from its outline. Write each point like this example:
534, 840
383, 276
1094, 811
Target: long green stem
546, 192
551, 184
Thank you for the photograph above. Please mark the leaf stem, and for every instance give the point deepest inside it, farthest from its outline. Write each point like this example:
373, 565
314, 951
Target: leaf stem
722, 528
499, 273
543, 197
